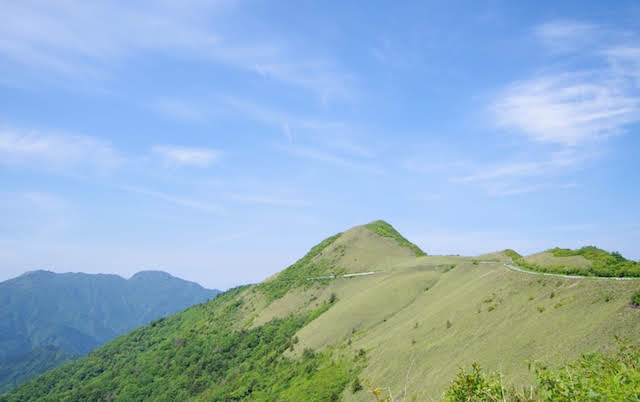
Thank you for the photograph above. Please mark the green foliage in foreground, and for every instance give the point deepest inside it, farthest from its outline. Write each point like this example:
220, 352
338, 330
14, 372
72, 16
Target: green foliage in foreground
635, 299
299, 273
198, 355
594, 377
382, 228
603, 263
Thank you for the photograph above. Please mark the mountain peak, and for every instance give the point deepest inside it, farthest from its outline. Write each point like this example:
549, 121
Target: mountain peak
151, 274
374, 246
384, 229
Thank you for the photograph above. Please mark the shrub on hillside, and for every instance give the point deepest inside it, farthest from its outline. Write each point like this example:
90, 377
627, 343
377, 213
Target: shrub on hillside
593, 377
474, 385
635, 299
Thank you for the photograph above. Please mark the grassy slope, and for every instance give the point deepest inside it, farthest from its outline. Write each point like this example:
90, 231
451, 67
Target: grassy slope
400, 317
586, 261
547, 259
383, 229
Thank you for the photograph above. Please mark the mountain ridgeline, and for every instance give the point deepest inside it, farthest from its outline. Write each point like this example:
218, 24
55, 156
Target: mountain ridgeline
365, 314
47, 319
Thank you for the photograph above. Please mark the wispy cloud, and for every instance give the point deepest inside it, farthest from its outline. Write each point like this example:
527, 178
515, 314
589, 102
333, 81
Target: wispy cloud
189, 156
556, 163
427, 166
591, 94
269, 200
177, 200
53, 151
330, 158
524, 176
569, 108
78, 38
566, 35
574, 105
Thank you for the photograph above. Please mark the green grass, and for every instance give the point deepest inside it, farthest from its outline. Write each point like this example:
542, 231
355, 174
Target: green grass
592, 377
384, 229
384, 309
220, 350
197, 355
586, 261
300, 272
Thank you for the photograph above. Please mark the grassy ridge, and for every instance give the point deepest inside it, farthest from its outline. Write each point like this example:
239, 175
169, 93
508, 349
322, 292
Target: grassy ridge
384, 229
299, 273
407, 329
602, 263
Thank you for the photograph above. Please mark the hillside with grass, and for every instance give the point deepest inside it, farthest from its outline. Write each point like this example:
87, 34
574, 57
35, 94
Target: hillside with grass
47, 319
363, 312
585, 261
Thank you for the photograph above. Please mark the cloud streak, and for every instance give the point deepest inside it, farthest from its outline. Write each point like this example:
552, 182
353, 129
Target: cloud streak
263, 199
311, 153
176, 200
573, 106
75, 38
187, 156
568, 109
52, 151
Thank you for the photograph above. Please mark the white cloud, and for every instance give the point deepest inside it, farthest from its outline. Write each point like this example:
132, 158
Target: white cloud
568, 109
517, 177
591, 95
56, 151
80, 39
200, 157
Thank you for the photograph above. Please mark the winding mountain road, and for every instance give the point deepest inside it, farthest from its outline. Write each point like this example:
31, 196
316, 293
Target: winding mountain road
518, 269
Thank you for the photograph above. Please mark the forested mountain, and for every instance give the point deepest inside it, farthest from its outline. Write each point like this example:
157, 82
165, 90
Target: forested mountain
367, 312
47, 319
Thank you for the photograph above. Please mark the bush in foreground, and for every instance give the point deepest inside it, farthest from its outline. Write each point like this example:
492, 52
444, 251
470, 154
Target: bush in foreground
593, 377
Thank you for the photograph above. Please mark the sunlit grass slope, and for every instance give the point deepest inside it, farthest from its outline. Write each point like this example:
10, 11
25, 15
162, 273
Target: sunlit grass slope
406, 328
585, 261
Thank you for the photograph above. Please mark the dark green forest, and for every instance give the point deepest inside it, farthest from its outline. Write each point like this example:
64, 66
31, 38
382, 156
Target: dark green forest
47, 319
200, 355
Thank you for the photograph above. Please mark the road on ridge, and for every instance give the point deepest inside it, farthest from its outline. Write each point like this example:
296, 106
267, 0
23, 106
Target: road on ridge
518, 269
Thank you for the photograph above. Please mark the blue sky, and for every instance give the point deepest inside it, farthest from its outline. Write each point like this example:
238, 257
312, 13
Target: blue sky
220, 140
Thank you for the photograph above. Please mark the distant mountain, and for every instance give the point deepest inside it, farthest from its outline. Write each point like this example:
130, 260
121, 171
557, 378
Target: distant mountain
47, 319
